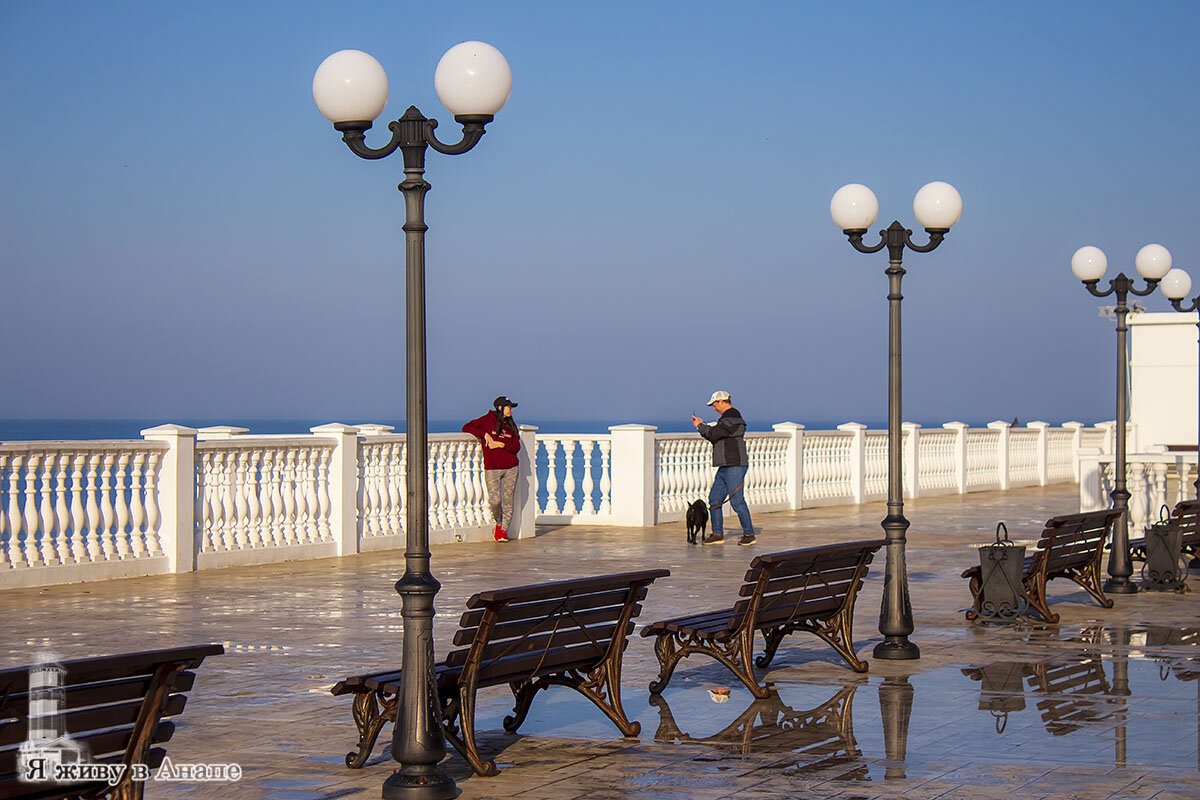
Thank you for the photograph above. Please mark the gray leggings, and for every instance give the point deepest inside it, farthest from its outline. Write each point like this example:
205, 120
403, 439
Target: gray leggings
501, 488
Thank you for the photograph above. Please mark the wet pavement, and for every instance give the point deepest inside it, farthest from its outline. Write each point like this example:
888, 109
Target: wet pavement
1105, 704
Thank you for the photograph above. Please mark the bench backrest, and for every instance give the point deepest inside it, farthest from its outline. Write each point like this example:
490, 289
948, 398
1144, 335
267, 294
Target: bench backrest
106, 703
520, 633
1187, 516
1073, 540
800, 584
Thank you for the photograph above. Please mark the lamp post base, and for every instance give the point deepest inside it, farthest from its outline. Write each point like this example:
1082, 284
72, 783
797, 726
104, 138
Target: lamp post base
1120, 586
896, 648
430, 786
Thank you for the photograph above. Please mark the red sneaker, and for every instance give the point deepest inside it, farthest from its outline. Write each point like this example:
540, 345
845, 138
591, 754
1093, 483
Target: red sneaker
499, 534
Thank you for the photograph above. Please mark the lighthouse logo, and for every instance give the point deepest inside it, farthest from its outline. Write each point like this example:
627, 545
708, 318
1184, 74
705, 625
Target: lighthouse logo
48, 745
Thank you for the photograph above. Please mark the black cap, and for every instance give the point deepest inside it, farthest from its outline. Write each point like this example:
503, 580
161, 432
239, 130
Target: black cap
503, 401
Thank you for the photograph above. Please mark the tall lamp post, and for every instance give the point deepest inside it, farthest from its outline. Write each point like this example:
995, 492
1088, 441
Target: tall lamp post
1089, 265
854, 207
473, 81
1176, 286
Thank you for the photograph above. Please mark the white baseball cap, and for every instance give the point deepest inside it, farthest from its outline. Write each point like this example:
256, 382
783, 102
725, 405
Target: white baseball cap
718, 396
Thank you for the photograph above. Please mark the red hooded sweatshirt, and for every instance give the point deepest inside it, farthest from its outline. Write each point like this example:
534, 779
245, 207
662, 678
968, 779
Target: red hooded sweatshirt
500, 457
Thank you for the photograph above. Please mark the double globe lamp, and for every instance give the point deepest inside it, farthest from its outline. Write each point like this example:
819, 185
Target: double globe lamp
473, 81
1089, 264
854, 208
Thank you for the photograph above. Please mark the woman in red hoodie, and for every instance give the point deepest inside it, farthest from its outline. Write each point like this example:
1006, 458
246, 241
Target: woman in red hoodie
497, 434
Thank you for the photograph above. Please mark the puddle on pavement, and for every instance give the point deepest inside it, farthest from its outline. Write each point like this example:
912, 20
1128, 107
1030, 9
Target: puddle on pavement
1122, 708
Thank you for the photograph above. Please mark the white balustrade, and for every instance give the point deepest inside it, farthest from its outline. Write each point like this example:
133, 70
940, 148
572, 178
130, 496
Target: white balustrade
562, 498
94, 510
80, 509
1152, 480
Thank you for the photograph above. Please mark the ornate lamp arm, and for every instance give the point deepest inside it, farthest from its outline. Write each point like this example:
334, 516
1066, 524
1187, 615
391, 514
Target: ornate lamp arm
413, 130
1178, 305
895, 237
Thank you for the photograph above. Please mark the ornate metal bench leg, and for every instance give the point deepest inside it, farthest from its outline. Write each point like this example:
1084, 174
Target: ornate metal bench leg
371, 710
772, 637
466, 720
668, 657
838, 635
523, 692
1089, 579
975, 584
668, 728
1035, 589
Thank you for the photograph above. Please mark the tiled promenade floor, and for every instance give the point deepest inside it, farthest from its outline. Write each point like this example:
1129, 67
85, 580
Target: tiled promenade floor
1105, 704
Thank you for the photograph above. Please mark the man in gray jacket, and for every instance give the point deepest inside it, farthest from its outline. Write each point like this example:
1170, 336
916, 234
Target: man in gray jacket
729, 457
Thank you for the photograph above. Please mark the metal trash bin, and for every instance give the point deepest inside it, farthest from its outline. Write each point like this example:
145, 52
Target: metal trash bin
1001, 563
1164, 545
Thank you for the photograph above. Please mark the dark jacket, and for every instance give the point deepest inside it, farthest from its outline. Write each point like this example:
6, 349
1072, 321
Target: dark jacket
499, 458
728, 438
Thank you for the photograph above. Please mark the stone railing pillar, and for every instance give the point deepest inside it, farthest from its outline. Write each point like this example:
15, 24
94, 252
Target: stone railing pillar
912, 459
795, 462
1043, 464
219, 432
633, 475
343, 485
525, 500
858, 459
1001, 428
176, 495
1076, 429
960, 453
1091, 485
1110, 436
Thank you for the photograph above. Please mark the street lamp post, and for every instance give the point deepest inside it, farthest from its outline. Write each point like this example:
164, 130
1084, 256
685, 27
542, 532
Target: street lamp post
1176, 286
1089, 265
854, 207
473, 81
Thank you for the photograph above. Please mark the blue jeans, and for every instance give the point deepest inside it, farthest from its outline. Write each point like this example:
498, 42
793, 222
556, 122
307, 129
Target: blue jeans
727, 480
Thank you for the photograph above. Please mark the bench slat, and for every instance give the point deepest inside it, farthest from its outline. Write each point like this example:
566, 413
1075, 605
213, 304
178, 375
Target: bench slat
545, 591
464, 636
825, 553
83, 721
789, 599
539, 643
92, 670
577, 602
520, 667
814, 580
107, 691
99, 744
807, 609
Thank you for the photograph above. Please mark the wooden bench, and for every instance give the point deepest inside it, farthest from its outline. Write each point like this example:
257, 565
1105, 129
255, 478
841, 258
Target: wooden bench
800, 590
112, 710
1075, 691
1186, 515
1071, 546
567, 633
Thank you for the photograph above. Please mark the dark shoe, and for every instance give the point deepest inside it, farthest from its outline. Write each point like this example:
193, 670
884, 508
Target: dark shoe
747, 539
710, 539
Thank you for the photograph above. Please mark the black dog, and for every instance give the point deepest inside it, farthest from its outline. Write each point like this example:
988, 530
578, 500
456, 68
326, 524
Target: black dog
697, 520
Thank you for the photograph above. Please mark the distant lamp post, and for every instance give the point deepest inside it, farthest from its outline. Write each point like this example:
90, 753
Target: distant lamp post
1089, 265
473, 81
854, 207
1176, 286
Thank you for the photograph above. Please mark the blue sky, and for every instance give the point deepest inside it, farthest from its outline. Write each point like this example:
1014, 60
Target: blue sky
183, 235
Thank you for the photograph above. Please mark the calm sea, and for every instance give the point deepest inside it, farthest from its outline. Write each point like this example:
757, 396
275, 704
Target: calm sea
56, 429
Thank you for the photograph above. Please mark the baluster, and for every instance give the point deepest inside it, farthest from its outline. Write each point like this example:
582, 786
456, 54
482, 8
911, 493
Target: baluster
371, 519
1160, 486
303, 512
63, 544
587, 485
205, 488
153, 515
312, 510
239, 527
31, 512
1136, 482
266, 503
252, 506
137, 512
666, 474
605, 478
458, 486
7, 546
94, 522
396, 470
21, 555
470, 495
551, 477
445, 502
324, 533
216, 500
278, 512
431, 487
122, 507
226, 511
569, 476
388, 510
49, 543
402, 470
288, 461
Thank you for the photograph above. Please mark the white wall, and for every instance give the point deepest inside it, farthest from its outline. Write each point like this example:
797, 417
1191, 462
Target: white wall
1163, 377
